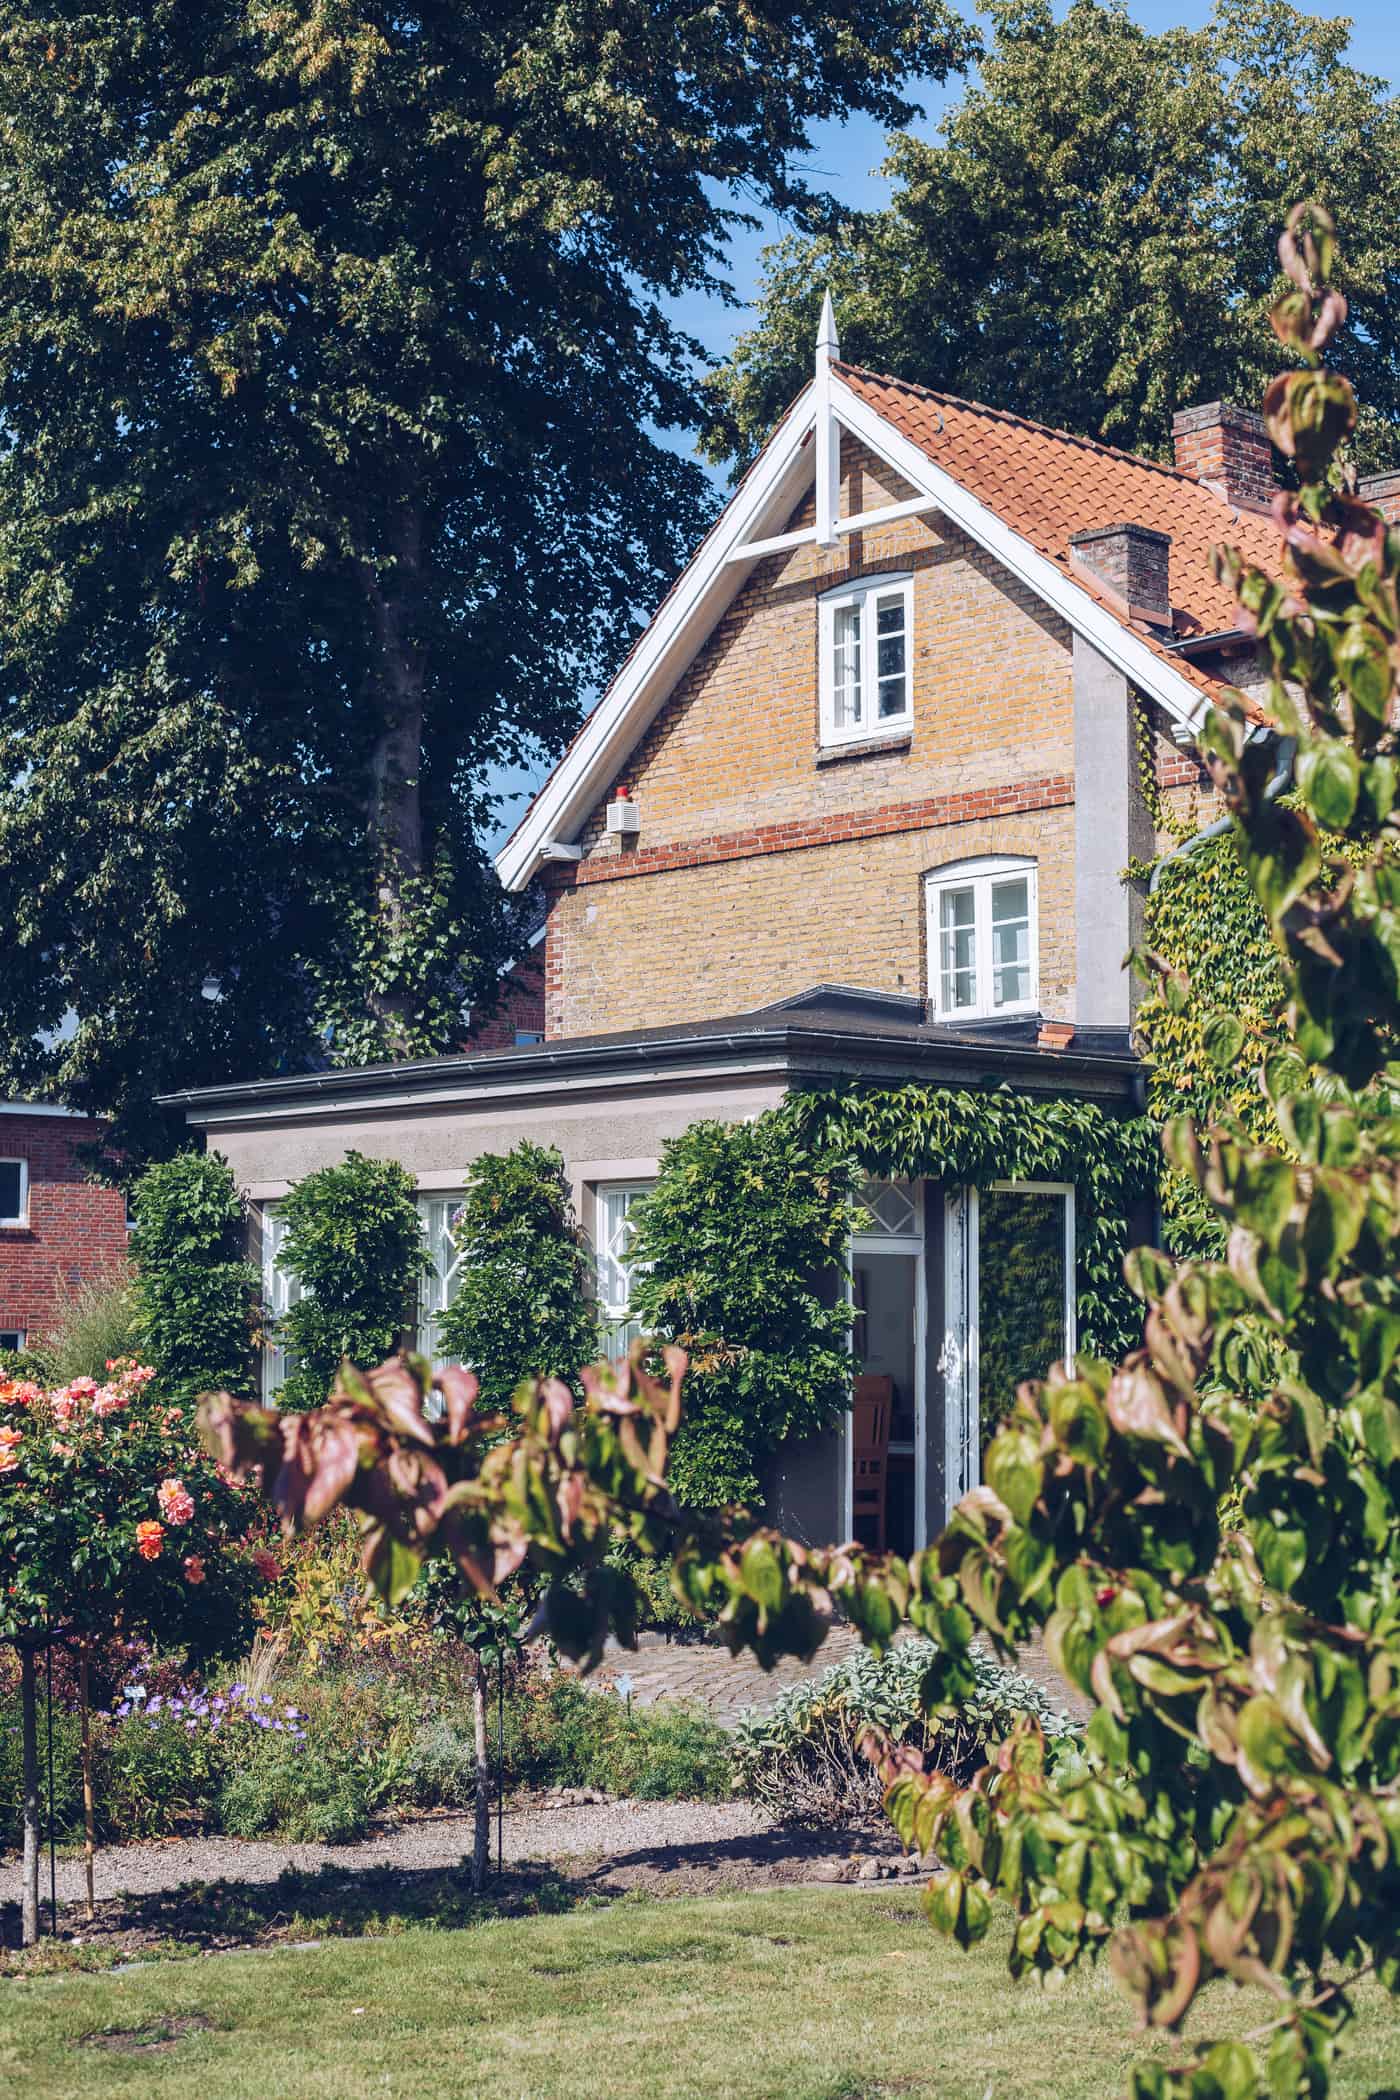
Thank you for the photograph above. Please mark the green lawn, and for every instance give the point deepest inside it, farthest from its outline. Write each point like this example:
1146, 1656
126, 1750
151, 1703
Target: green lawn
814, 1994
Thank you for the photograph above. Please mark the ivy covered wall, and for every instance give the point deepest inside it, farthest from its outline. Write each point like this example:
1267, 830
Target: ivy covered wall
964, 1138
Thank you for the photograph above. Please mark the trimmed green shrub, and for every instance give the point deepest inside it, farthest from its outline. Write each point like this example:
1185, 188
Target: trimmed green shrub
354, 1242
195, 1289
525, 1304
801, 1758
560, 1732
744, 1238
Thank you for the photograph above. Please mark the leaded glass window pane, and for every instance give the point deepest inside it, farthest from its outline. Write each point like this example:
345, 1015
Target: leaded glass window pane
893, 1207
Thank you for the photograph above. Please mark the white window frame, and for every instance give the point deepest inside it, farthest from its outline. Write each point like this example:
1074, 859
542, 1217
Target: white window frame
871, 725
960, 1359
21, 1216
612, 1270
21, 1338
280, 1292
438, 1286
981, 876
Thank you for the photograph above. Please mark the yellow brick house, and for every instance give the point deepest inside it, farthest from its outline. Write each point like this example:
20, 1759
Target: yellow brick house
855, 810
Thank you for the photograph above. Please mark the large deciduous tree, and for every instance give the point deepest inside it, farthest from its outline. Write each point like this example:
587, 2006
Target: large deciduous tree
335, 367
1091, 242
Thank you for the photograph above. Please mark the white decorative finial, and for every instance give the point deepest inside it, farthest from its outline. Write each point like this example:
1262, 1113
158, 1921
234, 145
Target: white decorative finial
828, 430
827, 344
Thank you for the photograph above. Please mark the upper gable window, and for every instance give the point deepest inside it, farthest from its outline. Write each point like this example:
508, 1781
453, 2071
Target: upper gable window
982, 939
865, 633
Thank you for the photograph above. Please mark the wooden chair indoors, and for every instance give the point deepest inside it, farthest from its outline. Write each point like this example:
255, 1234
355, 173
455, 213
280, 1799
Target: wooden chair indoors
872, 1407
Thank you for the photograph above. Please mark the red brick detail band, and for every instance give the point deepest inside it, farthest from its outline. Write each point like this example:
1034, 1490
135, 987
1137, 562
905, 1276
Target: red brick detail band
1051, 793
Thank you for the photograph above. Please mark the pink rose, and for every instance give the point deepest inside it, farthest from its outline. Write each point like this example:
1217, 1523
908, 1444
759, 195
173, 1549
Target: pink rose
194, 1568
176, 1501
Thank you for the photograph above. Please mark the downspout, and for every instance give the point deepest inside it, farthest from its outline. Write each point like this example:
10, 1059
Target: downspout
1279, 780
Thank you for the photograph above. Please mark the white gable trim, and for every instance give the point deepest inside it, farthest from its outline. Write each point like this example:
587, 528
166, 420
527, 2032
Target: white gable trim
781, 476
1126, 651
773, 487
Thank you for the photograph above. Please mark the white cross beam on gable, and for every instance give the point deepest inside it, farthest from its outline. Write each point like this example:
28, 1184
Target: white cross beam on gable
830, 525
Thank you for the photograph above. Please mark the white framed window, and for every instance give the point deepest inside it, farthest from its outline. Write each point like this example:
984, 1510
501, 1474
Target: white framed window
865, 637
983, 940
280, 1292
441, 1283
614, 1203
14, 1191
13, 1337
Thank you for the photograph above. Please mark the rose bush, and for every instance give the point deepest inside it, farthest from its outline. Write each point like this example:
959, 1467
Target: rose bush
113, 1519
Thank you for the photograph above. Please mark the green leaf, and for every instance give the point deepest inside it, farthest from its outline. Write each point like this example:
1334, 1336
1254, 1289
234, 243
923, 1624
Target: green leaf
761, 1573
1223, 1037
1013, 1470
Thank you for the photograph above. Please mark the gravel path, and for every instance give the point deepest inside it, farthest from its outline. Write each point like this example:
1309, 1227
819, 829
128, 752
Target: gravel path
608, 1833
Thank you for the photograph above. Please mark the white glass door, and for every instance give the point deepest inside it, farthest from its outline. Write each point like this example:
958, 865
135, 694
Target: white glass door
1009, 1298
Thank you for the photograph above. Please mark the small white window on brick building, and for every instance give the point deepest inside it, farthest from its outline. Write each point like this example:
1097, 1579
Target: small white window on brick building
14, 1192
865, 638
13, 1338
983, 943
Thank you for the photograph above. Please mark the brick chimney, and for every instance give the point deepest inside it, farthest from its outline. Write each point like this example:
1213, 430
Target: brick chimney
1382, 492
1226, 446
1133, 561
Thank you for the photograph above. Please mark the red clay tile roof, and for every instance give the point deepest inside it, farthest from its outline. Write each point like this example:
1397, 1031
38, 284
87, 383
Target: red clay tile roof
1048, 484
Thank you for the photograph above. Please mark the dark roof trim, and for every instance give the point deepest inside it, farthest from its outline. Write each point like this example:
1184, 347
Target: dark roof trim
812, 1050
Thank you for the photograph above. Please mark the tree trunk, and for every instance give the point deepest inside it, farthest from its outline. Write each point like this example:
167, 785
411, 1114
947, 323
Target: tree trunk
396, 760
29, 1728
89, 1820
481, 1844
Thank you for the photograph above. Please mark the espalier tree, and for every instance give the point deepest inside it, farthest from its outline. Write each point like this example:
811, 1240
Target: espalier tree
1216, 1570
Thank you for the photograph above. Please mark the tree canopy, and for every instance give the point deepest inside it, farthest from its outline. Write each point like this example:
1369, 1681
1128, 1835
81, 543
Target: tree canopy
1091, 242
335, 372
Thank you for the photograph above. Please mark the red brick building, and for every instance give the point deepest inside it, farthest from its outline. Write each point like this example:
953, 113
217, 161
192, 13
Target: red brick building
60, 1224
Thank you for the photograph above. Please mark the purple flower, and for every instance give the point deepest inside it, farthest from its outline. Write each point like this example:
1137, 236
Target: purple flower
155, 1705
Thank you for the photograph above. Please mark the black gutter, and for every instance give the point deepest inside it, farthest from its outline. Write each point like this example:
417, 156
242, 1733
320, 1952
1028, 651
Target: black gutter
1002, 1060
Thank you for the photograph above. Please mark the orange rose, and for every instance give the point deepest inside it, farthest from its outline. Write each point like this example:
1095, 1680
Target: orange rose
150, 1537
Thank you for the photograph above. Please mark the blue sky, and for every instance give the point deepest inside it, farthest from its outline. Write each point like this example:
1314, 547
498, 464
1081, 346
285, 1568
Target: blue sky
846, 159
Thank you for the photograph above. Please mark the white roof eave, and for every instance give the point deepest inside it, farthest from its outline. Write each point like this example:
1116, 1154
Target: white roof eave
709, 585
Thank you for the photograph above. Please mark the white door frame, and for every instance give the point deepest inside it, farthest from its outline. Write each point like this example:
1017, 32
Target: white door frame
960, 1358
907, 1244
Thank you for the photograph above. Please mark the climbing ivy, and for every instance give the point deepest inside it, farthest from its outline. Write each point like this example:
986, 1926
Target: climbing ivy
966, 1138
1214, 955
